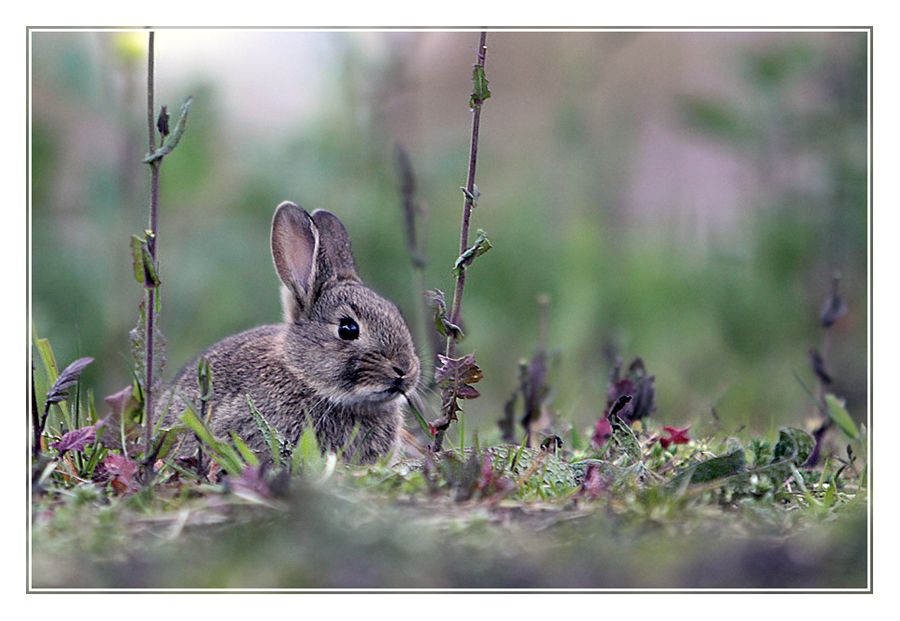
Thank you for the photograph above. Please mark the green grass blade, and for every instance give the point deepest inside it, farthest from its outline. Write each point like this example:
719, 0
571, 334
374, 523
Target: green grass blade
307, 454
242, 448
274, 440
221, 452
840, 417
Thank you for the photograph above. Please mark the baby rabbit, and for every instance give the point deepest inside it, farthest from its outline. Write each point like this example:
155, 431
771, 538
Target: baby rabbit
341, 361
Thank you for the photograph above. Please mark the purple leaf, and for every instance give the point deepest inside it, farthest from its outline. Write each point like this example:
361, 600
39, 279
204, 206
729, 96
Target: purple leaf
121, 402
454, 376
76, 439
636, 384
467, 392
60, 389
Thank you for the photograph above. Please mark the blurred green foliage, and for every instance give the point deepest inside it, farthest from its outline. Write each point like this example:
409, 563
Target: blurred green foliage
721, 323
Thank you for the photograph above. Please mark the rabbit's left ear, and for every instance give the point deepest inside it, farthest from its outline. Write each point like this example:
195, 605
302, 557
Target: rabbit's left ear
335, 259
295, 245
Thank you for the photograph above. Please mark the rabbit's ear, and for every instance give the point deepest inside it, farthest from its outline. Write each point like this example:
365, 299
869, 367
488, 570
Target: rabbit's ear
295, 243
335, 258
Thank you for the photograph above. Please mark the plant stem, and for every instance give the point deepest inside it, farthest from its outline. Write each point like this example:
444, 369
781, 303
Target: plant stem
456, 308
150, 299
35, 420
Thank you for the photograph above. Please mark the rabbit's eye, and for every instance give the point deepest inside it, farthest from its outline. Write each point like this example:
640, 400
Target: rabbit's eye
348, 329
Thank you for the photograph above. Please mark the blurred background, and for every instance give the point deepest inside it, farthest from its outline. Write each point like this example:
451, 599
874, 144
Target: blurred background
684, 197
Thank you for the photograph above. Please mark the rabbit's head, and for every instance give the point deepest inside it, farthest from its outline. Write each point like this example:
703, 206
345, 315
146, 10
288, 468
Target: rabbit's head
349, 345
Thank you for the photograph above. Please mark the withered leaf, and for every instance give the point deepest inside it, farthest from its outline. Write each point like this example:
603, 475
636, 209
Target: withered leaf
454, 376
442, 322
162, 121
458, 371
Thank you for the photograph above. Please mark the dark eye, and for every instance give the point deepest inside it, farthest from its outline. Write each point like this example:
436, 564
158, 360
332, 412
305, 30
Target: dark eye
348, 329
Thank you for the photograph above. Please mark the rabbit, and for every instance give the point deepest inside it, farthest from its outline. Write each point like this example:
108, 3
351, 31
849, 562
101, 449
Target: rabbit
342, 360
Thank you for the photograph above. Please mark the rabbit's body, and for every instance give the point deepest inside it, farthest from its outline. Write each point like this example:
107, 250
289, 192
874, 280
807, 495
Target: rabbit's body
340, 363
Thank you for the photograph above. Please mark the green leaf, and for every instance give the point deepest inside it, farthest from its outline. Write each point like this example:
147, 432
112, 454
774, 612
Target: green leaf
480, 90
168, 439
482, 244
174, 138
248, 455
204, 378
794, 445
624, 438
274, 439
307, 454
712, 469
142, 261
137, 259
221, 452
442, 322
52, 370
48, 358
419, 418
840, 417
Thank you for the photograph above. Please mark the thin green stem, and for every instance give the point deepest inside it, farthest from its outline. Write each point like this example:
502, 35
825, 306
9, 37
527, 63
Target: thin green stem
150, 296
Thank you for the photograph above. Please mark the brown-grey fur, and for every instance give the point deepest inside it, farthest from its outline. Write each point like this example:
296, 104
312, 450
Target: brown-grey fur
300, 372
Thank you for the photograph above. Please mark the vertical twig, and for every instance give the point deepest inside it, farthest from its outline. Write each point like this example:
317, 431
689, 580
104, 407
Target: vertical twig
833, 310
456, 308
150, 296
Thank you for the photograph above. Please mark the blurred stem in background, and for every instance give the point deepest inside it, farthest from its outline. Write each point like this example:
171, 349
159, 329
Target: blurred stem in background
412, 211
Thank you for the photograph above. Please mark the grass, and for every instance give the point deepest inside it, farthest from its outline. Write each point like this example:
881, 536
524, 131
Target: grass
484, 514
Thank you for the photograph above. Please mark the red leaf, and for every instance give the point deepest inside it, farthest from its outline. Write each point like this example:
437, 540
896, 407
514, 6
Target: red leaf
602, 432
120, 471
676, 435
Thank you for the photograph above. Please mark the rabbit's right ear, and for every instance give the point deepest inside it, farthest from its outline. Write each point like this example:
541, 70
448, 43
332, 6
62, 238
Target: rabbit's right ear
295, 243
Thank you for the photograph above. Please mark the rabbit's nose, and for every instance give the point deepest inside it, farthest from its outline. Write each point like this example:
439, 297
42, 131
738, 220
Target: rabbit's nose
400, 372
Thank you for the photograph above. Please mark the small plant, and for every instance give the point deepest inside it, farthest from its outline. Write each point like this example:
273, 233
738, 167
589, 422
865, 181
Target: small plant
58, 393
533, 388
